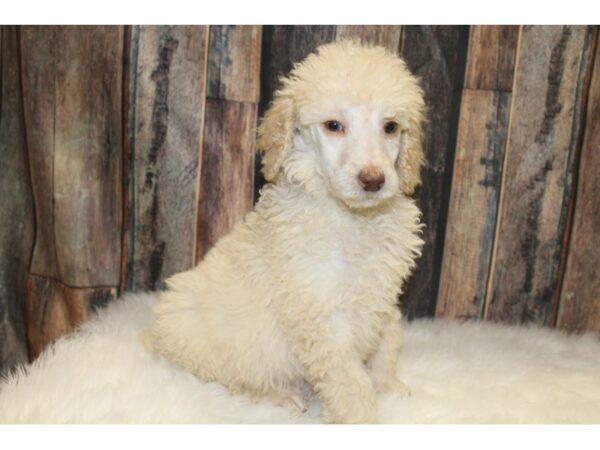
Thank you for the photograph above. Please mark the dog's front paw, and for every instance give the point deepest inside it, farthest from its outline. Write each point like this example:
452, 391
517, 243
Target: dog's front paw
358, 414
355, 403
393, 386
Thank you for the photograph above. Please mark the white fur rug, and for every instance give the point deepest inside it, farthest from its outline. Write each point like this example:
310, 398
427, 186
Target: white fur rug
472, 372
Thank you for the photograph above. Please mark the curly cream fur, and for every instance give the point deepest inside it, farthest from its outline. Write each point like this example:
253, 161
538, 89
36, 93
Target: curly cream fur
304, 289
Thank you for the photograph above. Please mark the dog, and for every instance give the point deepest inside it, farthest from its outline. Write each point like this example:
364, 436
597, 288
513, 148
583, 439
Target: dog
304, 290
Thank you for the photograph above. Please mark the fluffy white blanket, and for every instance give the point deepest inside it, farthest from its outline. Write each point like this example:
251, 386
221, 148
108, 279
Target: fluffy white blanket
470, 372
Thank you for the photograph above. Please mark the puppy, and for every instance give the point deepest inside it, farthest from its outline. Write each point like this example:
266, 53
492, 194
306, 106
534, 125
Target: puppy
304, 289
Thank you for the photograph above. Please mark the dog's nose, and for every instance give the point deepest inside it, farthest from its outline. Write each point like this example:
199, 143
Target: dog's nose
371, 179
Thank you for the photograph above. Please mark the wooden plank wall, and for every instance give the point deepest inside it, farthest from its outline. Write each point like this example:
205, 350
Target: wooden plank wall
552, 64
513, 192
16, 206
128, 151
167, 79
482, 131
579, 305
227, 187
71, 90
436, 54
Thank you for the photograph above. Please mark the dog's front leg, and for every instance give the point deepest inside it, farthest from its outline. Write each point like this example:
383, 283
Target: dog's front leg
384, 363
335, 371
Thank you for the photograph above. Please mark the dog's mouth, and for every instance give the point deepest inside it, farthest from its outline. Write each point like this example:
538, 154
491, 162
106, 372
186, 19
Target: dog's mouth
367, 200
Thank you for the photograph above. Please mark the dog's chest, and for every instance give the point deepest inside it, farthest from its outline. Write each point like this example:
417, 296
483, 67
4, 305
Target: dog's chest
334, 263
348, 261
350, 270
359, 303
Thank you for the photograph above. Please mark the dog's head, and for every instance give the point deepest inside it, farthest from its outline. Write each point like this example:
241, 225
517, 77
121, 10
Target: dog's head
347, 119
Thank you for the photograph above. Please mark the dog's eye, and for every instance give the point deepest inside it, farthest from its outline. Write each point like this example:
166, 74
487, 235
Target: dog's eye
334, 126
390, 127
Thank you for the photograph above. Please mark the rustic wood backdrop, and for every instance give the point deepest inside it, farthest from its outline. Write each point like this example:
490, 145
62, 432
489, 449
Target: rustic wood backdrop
126, 151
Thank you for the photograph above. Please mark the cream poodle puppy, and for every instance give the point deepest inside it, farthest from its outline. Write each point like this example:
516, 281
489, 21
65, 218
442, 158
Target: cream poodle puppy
304, 289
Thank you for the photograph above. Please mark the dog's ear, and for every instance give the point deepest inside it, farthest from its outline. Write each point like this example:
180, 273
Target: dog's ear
410, 166
275, 134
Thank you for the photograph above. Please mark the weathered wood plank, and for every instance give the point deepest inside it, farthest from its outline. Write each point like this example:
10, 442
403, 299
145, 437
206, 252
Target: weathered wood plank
128, 187
88, 154
72, 97
579, 307
227, 169
72, 105
233, 62
473, 203
481, 141
167, 95
56, 309
387, 36
545, 122
16, 207
38, 68
226, 187
437, 55
491, 57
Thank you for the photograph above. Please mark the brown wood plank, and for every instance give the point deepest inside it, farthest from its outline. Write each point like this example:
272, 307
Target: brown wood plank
127, 112
227, 169
55, 309
473, 203
491, 57
38, 68
437, 55
16, 207
387, 36
72, 97
482, 131
88, 154
227, 182
72, 106
545, 120
579, 307
233, 62
167, 95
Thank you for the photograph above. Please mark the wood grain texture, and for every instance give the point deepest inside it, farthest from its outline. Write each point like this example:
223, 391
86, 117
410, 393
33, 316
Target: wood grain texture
55, 309
16, 207
87, 158
226, 190
580, 297
167, 95
71, 86
482, 132
387, 36
545, 121
227, 182
38, 68
473, 203
234, 62
491, 57
72, 97
436, 54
